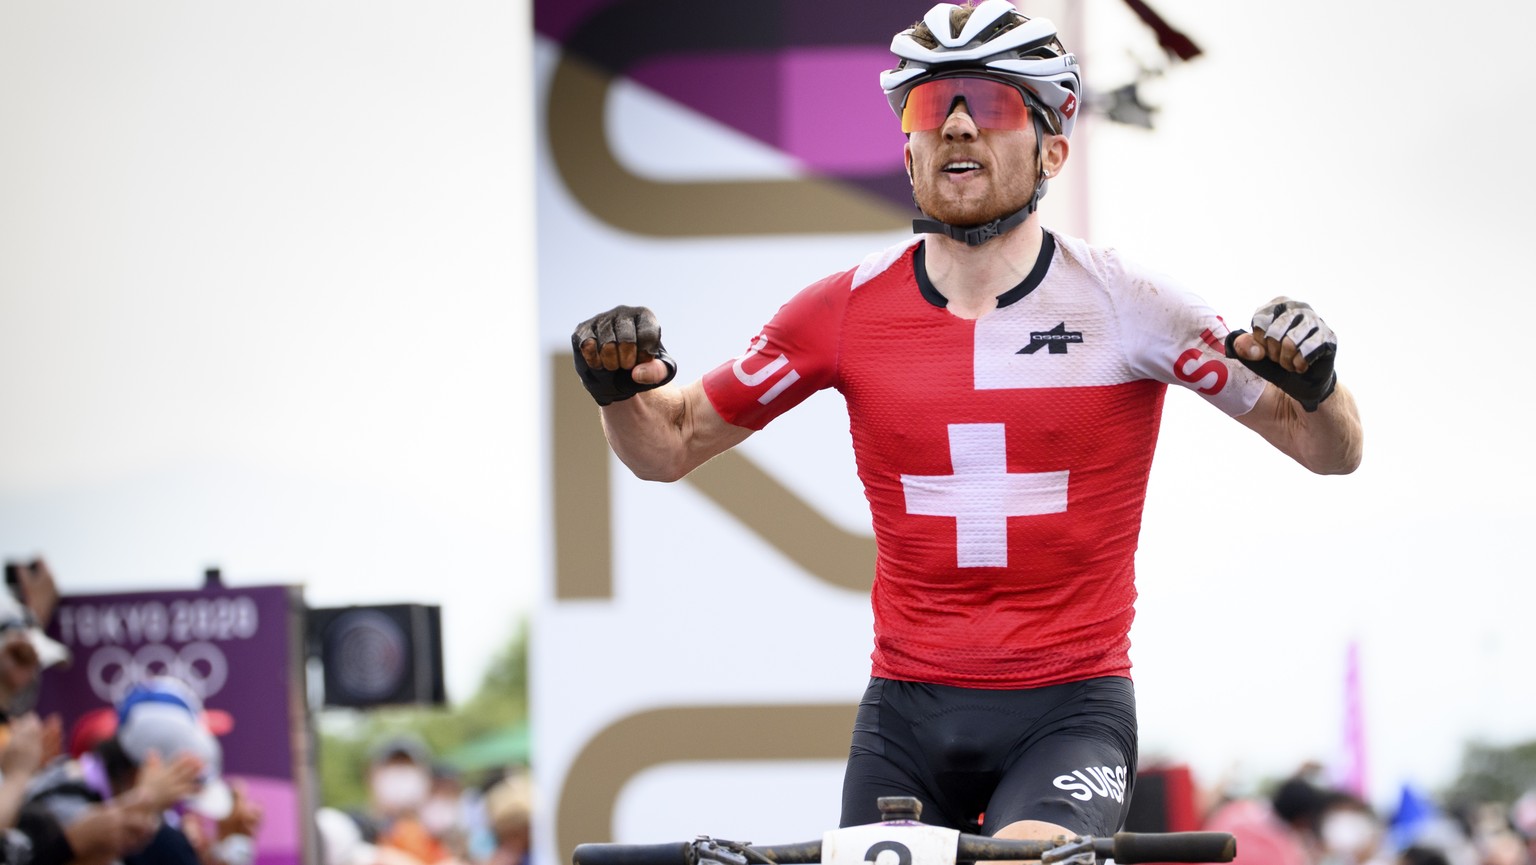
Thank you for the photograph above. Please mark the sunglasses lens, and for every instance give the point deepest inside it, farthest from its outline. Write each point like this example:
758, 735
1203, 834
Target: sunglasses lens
991, 104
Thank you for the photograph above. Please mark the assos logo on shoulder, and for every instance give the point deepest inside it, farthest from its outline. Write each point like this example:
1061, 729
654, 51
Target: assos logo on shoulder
1091, 781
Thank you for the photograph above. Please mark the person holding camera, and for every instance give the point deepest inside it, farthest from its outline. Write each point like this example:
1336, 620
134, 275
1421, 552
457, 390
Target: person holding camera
25, 651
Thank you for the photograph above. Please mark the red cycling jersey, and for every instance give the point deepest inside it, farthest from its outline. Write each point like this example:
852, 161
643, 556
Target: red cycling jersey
1005, 459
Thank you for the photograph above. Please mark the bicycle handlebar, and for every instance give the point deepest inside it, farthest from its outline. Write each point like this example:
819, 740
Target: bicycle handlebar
1126, 848
1132, 847
674, 853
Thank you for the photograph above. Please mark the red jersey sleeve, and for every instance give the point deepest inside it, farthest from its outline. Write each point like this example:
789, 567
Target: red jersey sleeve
794, 356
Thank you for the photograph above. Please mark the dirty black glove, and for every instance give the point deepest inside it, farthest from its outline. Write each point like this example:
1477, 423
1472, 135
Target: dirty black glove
1282, 319
609, 345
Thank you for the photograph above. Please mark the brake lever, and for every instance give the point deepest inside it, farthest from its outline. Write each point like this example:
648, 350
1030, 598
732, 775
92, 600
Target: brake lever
710, 851
1078, 851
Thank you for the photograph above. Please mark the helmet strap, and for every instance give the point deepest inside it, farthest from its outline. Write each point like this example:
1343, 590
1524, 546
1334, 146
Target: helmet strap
976, 235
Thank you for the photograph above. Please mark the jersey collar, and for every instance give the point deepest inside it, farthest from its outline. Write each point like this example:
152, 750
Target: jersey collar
1012, 295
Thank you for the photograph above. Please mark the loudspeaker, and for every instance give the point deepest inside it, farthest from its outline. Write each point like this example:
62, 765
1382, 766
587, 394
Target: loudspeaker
387, 655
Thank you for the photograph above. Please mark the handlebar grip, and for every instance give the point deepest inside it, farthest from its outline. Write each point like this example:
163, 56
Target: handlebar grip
1133, 847
982, 848
672, 853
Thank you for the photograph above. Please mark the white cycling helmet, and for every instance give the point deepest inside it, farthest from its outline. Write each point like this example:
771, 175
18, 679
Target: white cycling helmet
996, 41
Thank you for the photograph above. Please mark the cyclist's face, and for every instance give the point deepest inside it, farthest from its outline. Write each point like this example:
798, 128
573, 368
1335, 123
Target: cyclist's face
963, 174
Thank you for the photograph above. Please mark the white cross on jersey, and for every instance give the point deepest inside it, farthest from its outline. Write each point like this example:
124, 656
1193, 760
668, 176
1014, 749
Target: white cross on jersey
981, 495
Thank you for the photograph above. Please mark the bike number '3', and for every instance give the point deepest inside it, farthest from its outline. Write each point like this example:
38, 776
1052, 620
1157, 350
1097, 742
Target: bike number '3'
890, 844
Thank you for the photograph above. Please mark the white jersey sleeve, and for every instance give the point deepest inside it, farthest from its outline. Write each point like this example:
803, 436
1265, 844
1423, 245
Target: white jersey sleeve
1172, 335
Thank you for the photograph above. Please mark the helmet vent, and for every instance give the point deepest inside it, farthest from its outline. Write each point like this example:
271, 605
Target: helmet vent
1043, 51
999, 27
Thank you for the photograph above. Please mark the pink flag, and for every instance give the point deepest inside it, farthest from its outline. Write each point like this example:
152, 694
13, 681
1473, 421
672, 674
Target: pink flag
1352, 774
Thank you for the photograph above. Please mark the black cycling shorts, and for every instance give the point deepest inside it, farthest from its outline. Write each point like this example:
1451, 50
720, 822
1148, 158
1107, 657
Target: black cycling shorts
979, 760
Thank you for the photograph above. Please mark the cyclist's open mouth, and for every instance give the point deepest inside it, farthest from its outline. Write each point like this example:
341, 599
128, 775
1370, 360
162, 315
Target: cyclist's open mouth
961, 167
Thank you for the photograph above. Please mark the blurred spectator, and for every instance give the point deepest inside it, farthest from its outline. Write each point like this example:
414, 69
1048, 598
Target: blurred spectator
342, 842
1419, 823
1494, 835
341, 839
443, 815
399, 785
1502, 847
1351, 832
91, 729
66, 819
160, 760
1280, 830
33, 585
479, 841
509, 805
20, 759
27, 744
399, 777
1415, 855
163, 716
1263, 838
25, 651
1522, 816
1299, 802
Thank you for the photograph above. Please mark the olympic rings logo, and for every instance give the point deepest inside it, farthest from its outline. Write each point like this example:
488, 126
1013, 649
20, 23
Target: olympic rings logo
112, 670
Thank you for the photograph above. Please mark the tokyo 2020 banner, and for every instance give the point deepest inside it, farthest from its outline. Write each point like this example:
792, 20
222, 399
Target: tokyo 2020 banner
700, 647
240, 650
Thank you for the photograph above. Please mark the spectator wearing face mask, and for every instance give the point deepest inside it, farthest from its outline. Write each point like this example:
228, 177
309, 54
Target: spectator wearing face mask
1350, 831
399, 786
444, 814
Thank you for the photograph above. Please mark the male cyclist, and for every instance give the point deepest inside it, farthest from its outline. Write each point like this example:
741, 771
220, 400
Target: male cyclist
1004, 386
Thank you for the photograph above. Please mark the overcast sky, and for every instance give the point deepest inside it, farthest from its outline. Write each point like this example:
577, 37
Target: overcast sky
266, 302
1368, 157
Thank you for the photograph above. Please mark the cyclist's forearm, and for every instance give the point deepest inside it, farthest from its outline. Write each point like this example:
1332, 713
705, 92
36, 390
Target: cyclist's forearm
1332, 440
664, 434
1329, 441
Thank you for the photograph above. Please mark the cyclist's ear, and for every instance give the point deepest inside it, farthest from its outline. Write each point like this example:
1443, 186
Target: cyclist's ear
1054, 157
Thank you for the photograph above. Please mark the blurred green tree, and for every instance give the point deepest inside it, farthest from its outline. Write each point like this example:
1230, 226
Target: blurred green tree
1494, 773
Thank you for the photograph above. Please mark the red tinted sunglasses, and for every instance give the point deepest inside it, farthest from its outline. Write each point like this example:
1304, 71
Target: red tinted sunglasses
992, 104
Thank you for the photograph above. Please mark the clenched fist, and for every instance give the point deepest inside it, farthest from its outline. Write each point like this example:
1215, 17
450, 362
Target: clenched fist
1291, 347
618, 354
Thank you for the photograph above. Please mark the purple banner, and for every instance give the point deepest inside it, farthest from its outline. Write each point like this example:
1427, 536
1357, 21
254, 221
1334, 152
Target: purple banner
801, 76
236, 648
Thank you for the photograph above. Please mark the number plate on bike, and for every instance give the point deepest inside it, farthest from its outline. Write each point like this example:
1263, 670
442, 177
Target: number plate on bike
890, 844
